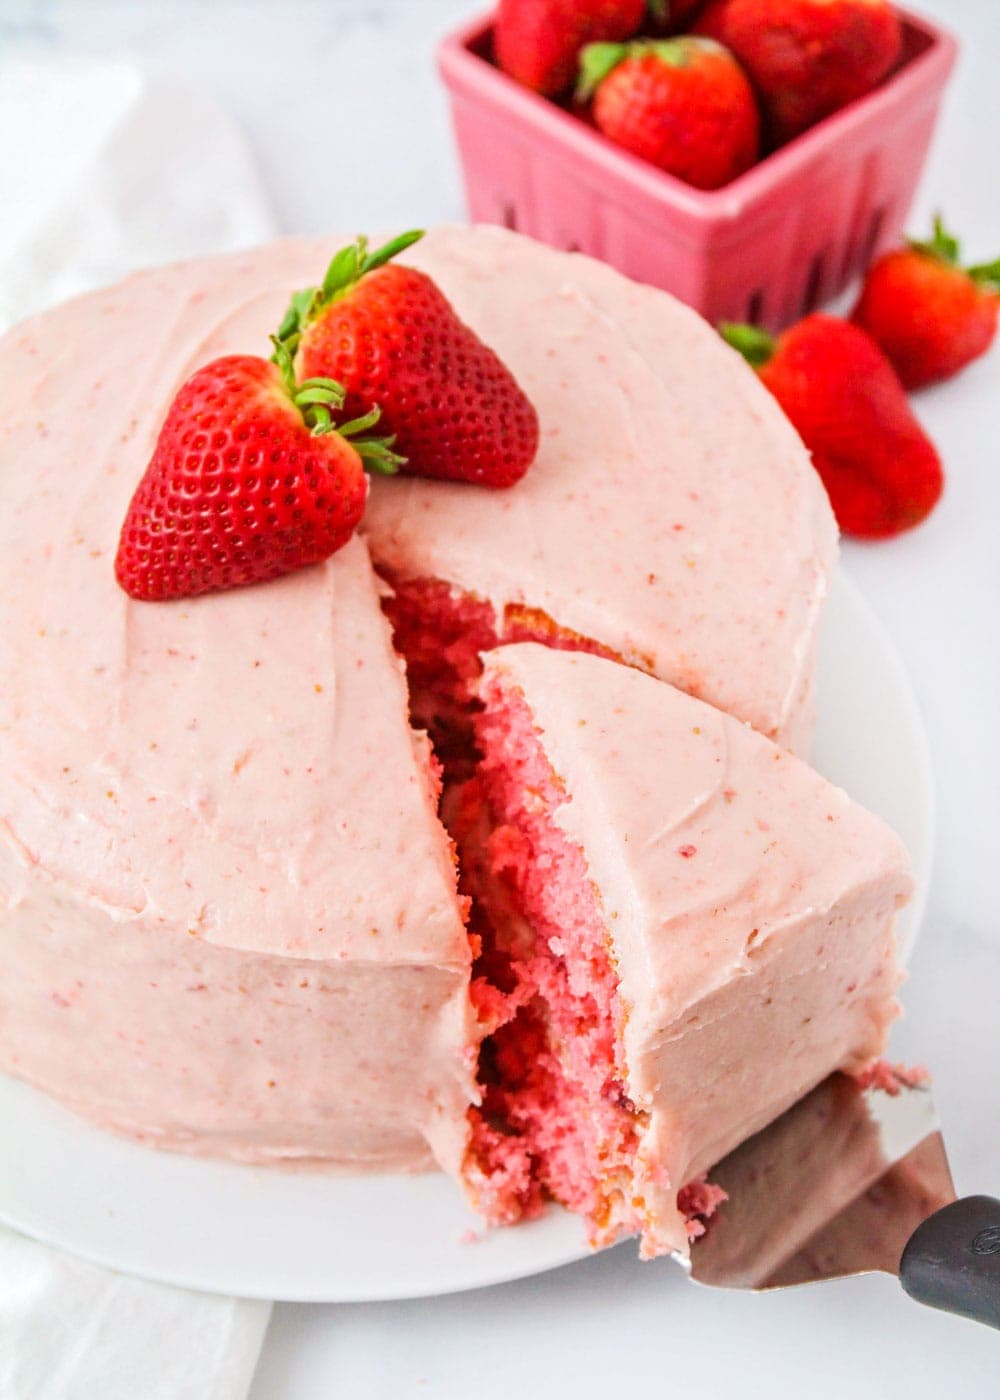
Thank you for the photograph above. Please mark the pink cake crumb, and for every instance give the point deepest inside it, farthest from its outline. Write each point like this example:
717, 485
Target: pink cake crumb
698, 1202
891, 1079
555, 1120
440, 632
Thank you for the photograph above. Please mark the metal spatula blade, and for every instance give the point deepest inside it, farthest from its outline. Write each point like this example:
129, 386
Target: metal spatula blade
851, 1180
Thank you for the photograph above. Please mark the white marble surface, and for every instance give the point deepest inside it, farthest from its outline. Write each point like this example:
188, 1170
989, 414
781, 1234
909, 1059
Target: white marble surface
341, 102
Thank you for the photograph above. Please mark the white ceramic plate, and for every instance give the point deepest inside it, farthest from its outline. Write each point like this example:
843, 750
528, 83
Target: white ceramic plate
314, 1237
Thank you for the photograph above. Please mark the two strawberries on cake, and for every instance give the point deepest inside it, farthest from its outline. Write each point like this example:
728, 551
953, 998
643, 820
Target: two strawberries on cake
260, 466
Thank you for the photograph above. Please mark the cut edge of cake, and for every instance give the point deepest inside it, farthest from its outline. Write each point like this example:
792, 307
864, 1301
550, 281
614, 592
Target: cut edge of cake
586, 1071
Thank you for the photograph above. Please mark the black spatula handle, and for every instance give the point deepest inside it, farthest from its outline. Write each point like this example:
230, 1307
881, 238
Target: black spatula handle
952, 1260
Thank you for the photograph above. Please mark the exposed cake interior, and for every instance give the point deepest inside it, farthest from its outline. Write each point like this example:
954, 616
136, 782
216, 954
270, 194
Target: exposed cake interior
441, 631
555, 1120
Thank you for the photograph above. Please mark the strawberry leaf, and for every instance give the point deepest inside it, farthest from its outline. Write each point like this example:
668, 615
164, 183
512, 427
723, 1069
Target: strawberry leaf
946, 248
282, 357
986, 275
314, 398
943, 245
344, 270
389, 250
360, 425
320, 421
325, 391
675, 53
756, 346
377, 455
597, 61
295, 316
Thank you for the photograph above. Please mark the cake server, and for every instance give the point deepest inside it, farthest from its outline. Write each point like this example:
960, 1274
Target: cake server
848, 1181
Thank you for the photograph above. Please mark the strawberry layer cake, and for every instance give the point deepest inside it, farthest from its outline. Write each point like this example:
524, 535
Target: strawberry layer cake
233, 918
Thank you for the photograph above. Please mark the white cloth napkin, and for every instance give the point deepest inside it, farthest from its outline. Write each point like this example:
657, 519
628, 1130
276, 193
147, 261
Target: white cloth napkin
104, 170
72, 1331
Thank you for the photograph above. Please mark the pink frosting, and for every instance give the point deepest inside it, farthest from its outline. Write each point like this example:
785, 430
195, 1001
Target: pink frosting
750, 906
228, 915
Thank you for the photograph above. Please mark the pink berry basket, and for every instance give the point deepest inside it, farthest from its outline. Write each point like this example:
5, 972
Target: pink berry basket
766, 248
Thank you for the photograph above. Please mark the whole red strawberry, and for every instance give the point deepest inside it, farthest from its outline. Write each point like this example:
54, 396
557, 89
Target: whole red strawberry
538, 41
807, 58
881, 471
249, 480
390, 336
683, 104
930, 315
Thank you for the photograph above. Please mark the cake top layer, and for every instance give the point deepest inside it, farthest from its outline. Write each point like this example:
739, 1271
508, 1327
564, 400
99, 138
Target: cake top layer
672, 513
238, 765
703, 838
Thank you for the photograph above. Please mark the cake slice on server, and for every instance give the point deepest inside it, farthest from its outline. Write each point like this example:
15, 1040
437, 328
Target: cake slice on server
683, 929
672, 518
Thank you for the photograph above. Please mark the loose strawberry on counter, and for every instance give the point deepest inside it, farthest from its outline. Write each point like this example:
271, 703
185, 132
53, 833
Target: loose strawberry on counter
390, 336
806, 58
881, 471
683, 104
538, 41
250, 479
930, 315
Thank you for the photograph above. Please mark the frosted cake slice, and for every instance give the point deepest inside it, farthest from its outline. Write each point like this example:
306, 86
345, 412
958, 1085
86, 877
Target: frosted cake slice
683, 929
